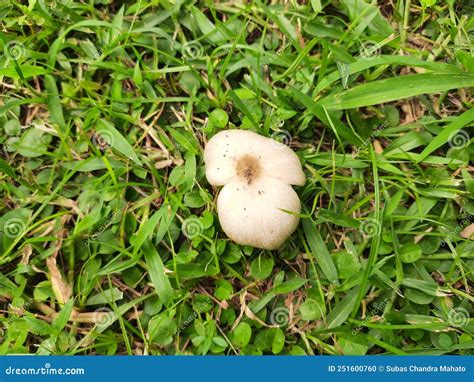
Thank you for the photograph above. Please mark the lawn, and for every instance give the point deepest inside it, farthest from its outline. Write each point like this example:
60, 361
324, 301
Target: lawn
110, 241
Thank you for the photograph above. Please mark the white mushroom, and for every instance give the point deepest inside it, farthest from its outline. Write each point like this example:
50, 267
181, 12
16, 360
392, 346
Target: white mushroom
257, 205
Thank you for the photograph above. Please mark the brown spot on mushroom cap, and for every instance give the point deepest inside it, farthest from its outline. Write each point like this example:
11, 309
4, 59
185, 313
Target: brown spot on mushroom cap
248, 168
225, 148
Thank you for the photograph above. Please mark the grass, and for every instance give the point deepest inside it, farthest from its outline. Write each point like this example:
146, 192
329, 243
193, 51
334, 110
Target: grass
109, 237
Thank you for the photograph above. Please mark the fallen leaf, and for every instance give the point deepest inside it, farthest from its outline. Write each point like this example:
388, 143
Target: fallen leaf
61, 290
468, 232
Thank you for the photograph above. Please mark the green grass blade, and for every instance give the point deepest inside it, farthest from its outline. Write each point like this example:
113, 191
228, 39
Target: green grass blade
116, 140
157, 272
27, 71
363, 64
376, 239
320, 251
299, 59
447, 132
54, 102
343, 309
147, 228
395, 88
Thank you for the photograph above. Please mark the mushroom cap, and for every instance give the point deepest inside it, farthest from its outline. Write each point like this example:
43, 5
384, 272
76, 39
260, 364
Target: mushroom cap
255, 214
257, 205
226, 147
